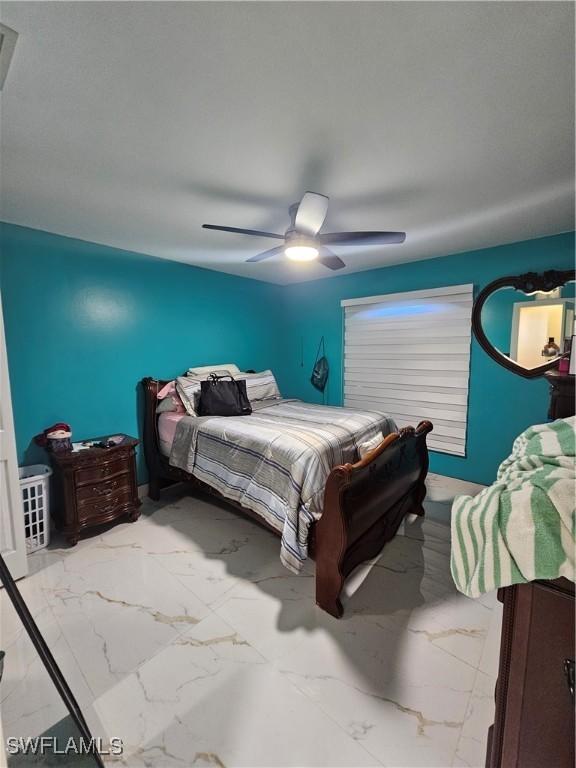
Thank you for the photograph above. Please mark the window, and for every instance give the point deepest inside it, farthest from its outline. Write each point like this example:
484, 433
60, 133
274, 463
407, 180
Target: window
409, 354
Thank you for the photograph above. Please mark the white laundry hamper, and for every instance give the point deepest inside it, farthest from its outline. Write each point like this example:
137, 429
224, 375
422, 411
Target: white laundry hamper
35, 487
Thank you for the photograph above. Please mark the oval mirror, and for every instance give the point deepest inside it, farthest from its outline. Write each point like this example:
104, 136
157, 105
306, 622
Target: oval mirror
526, 322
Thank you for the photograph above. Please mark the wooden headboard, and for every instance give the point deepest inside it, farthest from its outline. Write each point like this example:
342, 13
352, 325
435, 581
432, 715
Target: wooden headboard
151, 387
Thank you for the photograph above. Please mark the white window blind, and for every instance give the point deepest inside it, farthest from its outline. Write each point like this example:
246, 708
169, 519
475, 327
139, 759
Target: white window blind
409, 354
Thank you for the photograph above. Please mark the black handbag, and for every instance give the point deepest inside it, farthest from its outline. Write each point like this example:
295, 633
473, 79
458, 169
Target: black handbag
220, 397
321, 369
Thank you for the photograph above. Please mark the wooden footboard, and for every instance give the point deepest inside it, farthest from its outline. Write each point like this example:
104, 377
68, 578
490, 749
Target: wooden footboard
364, 504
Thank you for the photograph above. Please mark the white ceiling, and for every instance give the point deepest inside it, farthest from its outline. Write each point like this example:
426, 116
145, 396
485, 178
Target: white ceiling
132, 124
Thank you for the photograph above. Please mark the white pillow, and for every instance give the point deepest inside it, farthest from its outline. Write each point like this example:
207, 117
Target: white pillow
228, 367
369, 445
261, 386
188, 388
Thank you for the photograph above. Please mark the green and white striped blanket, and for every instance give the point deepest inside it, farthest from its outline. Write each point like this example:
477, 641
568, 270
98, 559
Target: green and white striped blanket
522, 527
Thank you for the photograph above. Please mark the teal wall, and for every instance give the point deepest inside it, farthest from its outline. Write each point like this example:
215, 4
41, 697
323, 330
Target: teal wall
501, 404
84, 323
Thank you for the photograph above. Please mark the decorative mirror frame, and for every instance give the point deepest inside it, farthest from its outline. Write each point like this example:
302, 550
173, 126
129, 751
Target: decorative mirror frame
527, 283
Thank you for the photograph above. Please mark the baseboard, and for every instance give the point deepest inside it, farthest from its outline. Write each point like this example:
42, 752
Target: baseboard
142, 491
444, 488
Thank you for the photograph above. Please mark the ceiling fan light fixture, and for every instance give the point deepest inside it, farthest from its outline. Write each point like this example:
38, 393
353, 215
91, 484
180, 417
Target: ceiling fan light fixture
303, 240
301, 252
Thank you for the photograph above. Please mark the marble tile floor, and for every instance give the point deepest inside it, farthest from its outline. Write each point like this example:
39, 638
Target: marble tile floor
183, 635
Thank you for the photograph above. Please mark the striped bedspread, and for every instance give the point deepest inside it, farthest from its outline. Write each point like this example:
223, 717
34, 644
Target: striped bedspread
522, 527
276, 461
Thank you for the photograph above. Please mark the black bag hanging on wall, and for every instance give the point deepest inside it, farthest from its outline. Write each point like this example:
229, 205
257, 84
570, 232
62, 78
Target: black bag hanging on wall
219, 397
320, 371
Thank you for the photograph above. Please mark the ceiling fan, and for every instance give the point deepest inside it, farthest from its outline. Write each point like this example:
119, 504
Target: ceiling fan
302, 241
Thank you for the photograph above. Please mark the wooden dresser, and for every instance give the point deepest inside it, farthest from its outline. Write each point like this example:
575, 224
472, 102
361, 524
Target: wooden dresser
534, 721
94, 486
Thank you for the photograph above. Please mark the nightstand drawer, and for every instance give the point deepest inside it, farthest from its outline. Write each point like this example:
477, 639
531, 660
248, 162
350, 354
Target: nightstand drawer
102, 471
100, 508
103, 489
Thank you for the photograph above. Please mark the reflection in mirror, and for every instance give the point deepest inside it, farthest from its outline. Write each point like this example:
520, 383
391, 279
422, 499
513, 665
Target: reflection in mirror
532, 329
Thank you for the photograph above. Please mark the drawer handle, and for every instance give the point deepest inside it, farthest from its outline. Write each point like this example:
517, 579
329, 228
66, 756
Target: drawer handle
101, 491
569, 674
107, 508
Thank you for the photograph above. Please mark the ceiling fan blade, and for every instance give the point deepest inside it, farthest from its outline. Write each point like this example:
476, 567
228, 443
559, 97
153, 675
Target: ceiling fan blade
311, 213
363, 238
266, 254
256, 232
330, 259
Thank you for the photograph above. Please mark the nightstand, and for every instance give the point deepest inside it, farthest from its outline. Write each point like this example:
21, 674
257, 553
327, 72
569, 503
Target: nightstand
94, 486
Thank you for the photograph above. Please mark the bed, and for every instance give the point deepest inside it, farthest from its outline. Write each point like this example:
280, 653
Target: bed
329, 505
